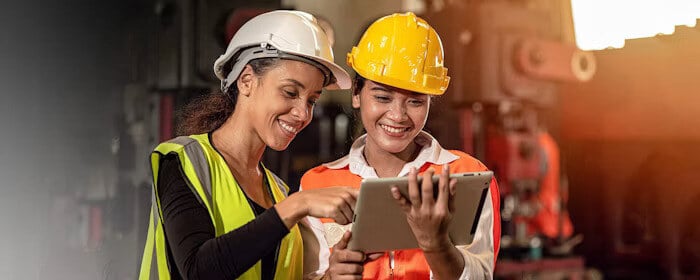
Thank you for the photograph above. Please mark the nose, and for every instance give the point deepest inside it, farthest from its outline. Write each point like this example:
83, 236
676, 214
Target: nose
302, 111
397, 111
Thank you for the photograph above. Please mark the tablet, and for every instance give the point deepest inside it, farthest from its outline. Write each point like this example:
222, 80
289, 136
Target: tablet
379, 224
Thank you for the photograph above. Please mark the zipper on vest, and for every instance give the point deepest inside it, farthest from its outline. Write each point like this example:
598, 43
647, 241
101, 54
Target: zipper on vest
391, 264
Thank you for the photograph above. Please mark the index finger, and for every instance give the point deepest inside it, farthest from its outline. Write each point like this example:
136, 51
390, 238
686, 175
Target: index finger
349, 195
353, 191
352, 200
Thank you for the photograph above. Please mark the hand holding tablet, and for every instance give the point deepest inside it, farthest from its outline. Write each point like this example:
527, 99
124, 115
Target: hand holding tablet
382, 224
428, 208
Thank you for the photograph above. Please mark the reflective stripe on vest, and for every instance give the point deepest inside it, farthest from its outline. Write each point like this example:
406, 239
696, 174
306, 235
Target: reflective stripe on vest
208, 176
199, 162
149, 265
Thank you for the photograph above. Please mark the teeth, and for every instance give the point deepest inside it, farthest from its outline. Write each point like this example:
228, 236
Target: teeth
288, 128
393, 130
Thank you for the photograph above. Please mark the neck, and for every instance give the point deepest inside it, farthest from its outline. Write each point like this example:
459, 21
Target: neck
238, 143
387, 164
242, 149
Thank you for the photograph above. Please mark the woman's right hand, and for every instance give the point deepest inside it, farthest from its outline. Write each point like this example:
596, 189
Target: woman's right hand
429, 217
337, 203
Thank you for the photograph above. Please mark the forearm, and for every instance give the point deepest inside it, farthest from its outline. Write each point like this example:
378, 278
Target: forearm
459, 263
445, 264
477, 259
231, 254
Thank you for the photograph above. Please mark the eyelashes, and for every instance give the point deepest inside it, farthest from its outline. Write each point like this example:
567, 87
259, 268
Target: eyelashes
294, 95
387, 99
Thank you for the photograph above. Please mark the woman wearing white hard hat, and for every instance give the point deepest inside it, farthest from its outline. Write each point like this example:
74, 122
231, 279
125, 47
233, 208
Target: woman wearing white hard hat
217, 212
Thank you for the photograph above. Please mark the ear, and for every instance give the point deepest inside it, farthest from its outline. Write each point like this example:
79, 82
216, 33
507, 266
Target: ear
245, 81
356, 100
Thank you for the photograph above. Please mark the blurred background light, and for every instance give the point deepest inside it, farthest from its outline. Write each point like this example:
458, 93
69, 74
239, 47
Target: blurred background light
601, 24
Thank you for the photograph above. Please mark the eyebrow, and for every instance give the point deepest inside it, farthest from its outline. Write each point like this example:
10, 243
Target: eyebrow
299, 84
411, 94
378, 87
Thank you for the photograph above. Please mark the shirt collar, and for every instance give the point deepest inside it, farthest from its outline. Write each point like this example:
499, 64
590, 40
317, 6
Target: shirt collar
431, 152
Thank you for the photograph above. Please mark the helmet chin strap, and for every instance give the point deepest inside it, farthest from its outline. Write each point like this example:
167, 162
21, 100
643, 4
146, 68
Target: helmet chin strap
267, 51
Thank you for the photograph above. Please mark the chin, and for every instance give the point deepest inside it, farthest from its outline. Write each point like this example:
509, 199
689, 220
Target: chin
394, 149
279, 148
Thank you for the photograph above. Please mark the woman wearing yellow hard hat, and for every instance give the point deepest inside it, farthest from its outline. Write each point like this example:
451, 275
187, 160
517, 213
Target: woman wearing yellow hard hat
217, 212
399, 66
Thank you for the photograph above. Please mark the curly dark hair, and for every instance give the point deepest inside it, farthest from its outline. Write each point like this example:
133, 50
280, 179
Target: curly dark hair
208, 112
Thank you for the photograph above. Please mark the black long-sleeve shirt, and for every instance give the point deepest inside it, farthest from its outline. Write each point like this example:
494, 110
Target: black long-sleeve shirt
194, 249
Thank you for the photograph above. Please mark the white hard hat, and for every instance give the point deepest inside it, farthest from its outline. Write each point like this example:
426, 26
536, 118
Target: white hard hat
285, 34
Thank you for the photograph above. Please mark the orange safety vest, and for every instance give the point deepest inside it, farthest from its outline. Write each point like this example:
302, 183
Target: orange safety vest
408, 264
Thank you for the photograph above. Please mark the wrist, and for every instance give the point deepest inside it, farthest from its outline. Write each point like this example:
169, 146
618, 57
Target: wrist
291, 210
436, 245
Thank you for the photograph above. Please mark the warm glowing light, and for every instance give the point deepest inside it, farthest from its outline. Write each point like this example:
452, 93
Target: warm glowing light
601, 24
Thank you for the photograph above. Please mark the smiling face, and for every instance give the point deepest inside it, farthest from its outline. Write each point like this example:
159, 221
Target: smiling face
391, 116
280, 101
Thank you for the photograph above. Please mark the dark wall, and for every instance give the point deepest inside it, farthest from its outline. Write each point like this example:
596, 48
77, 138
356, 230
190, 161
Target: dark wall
62, 71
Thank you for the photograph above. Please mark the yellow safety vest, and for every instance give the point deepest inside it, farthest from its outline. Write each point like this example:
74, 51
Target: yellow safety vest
210, 179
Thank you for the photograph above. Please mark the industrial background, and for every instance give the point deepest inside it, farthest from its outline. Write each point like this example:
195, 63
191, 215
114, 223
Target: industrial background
596, 151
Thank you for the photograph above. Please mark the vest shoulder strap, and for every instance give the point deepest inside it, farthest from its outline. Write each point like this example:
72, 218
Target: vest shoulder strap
195, 160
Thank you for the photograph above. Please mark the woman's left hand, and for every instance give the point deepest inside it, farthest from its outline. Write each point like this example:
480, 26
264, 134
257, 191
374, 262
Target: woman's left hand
428, 217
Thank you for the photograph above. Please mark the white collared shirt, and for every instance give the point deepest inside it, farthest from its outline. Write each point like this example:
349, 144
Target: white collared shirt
431, 152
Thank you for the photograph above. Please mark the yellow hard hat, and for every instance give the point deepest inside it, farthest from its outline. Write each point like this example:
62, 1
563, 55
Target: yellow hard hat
403, 51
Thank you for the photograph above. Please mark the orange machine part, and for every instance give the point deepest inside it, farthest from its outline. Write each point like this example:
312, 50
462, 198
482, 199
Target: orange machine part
550, 215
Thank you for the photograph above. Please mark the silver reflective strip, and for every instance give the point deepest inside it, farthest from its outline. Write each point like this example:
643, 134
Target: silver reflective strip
280, 184
196, 155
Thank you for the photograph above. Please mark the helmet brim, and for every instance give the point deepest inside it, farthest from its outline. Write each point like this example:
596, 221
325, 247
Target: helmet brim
342, 78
